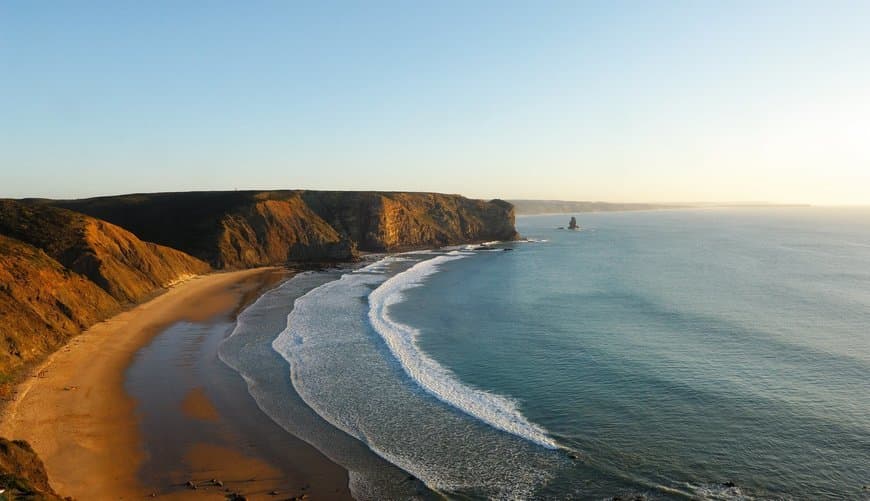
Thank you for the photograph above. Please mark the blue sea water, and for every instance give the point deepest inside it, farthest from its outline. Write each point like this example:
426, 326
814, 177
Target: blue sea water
717, 353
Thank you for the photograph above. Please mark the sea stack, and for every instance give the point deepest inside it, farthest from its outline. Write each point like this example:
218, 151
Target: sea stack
572, 225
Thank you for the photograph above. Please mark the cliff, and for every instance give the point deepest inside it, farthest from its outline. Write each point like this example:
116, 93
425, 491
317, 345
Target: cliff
61, 272
42, 304
390, 221
248, 228
22, 474
65, 265
116, 260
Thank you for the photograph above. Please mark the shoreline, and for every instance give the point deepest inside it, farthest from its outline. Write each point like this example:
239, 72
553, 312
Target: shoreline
76, 410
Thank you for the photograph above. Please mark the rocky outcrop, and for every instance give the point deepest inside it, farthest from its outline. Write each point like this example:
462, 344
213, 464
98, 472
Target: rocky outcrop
277, 232
113, 258
387, 221
243, 229
22, 474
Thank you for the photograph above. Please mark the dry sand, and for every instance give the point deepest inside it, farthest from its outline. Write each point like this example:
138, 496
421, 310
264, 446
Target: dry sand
74, 411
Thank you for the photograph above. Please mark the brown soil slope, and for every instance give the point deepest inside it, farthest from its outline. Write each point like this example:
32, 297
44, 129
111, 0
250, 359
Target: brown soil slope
22, 474
61, 272
247, 228
42, 304
124, 266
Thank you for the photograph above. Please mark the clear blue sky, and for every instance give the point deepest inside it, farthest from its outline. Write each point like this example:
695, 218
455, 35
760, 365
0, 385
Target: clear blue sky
619, 101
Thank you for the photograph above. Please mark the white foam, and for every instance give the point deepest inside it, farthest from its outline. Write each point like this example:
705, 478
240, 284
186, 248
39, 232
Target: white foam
381, 265
495, 410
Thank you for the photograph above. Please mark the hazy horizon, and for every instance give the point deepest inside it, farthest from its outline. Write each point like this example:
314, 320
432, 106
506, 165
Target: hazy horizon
687, 203
625, 102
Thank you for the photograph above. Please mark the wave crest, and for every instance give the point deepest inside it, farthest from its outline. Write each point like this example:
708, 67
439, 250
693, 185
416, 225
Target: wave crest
495, 410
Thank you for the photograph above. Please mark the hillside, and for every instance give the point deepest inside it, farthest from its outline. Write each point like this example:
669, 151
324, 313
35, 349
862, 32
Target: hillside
113, 258
63, 270
241, 229
22, 474
42, 304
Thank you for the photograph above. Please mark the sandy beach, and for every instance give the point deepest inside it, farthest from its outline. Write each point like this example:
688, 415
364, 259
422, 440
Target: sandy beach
77, 412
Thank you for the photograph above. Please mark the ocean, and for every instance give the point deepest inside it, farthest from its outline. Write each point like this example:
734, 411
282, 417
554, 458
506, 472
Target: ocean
709, 353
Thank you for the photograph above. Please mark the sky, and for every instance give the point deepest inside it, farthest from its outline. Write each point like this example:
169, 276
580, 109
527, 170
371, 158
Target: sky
642, 101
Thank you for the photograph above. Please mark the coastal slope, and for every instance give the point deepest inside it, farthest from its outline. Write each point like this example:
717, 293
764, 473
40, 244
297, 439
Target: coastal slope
61, 272
239, 229
67, 265
119, 262
42, 304
22, 474
394, 221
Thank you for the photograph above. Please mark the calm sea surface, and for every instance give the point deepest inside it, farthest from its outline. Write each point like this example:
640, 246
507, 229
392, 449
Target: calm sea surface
721, 353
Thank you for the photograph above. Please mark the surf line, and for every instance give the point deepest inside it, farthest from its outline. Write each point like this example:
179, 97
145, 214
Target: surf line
495, 410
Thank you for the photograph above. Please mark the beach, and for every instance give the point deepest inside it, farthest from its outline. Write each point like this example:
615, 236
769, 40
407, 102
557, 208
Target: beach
97, 441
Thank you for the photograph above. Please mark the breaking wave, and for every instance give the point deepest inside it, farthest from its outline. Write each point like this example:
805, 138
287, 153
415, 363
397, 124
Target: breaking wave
495, 410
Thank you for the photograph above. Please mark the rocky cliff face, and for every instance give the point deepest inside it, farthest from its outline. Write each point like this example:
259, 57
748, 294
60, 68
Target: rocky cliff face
62, 270
111, 257
385, 221
243, 229
276, 232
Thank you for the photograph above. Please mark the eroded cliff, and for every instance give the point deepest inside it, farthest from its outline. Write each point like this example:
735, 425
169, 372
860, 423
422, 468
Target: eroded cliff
61, 272
243, 229
113, 258
65, 265
42, 304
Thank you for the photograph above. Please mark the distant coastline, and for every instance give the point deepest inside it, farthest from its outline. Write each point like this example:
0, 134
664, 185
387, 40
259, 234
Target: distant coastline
540, 207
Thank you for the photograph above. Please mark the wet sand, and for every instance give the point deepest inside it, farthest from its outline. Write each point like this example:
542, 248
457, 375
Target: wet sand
191, 418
